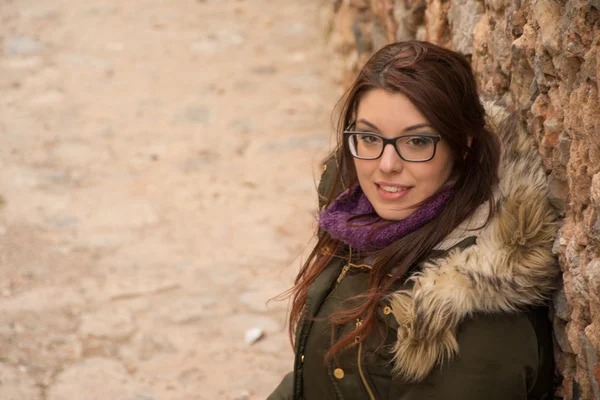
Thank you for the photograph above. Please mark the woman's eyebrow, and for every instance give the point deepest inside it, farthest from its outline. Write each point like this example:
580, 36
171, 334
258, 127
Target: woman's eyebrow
418, 126
408, 129
370, 125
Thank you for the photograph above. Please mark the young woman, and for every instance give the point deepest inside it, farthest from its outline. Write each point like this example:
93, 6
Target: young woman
433, 260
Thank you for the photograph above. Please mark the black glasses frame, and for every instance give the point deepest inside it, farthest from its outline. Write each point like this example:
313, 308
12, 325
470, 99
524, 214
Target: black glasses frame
391, 141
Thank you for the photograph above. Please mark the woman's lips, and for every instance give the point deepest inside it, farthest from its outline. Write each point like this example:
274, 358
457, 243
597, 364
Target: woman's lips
387, 195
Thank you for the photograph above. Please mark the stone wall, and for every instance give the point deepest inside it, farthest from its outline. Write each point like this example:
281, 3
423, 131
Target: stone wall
543, 57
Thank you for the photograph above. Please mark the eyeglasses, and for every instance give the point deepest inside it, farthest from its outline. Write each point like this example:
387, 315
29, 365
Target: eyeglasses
370, 146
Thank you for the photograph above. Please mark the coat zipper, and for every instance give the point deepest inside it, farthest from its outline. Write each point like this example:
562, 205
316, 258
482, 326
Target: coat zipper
360, 370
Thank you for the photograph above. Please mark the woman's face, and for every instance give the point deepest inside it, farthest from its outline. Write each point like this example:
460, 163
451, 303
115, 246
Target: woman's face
391, 184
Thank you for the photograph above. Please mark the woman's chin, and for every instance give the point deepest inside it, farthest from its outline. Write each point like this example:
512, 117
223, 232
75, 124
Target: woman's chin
393, 215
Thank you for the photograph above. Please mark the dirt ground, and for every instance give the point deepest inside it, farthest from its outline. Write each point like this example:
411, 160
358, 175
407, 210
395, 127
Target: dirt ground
157, 186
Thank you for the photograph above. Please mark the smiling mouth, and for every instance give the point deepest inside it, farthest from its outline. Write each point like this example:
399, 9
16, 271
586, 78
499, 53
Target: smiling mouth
393, 189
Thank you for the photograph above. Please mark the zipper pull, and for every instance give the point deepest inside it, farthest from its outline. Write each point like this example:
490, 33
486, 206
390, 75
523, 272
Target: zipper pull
358, 324
343, 273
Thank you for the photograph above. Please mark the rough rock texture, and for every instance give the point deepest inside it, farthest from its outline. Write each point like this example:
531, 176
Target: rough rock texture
542, 57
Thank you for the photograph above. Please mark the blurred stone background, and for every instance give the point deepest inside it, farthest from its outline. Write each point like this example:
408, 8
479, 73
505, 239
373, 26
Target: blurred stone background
543, 57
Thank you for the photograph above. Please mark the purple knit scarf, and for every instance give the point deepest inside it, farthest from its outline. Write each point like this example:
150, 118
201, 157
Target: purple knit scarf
370, 232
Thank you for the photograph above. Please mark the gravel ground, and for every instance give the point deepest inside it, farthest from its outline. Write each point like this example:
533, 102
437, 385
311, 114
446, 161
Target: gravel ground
157, 186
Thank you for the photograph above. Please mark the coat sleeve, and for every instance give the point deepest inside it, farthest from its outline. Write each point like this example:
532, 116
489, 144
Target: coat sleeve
498, 360
285, 390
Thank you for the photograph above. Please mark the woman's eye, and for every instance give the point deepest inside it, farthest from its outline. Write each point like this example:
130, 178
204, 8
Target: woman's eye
369, 139
418, 141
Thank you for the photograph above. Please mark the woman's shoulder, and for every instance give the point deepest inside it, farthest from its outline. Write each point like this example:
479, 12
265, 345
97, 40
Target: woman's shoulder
330, 168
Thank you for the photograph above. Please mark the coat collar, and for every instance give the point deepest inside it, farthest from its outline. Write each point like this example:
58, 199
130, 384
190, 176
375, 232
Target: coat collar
511, 266
470, 227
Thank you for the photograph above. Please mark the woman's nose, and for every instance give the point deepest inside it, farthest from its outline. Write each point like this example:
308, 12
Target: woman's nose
390, 161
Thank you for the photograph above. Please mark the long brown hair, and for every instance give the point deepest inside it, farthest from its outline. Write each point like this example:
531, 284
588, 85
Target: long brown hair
440, 83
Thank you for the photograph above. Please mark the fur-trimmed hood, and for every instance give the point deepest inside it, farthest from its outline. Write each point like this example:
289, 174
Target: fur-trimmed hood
510, 267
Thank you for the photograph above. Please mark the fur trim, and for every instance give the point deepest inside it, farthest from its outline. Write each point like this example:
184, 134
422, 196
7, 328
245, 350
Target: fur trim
510, 267
470, 227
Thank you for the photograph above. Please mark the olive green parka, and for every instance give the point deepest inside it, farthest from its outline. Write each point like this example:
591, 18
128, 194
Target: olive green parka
470, 324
